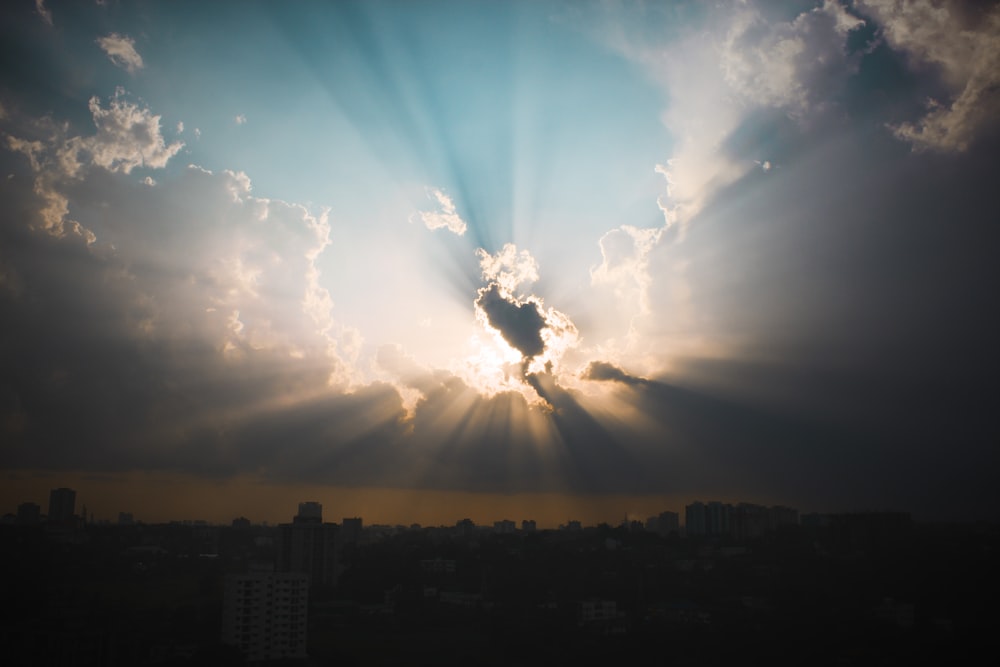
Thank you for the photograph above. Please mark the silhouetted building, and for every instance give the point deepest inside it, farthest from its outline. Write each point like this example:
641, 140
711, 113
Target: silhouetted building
350, 530
125, 519
241, 523
696, 519
528, 526
29, 514
309, 511
62, 504
264, 614
309, 546
465, 527
504, 527
664, 523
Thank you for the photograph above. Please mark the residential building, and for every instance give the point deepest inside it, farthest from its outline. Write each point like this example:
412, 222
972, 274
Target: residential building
264, 614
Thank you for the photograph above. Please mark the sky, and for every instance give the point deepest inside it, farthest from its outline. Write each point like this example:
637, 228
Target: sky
422, 261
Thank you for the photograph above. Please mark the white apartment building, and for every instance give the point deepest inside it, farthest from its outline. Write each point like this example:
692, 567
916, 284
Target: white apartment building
264, 614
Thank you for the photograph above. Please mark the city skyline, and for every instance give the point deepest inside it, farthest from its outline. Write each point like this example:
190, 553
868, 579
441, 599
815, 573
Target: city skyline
529, 259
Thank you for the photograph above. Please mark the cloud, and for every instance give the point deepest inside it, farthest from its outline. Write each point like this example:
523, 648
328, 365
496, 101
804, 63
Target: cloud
796, 65
965, 44
240, 119
121, 51
446, 217
520, 323
128, 136
509, 268
602, 371
625, 264
43, 11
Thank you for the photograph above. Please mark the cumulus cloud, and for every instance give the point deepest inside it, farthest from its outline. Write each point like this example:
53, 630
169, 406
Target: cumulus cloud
128, 136
520, 323
240, 119
446, 217
510, 268
966, 46
540, 335
625, 264
120, 49
792, 65
743, 61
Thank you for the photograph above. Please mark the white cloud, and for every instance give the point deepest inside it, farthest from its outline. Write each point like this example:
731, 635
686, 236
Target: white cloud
965, 47
180, 127
740, 60
240, 119
792, 65
121, 51
127, 137
510, 268
625, 264
446, 217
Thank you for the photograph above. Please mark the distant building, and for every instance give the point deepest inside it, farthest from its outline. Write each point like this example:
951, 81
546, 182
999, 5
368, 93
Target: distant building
504, 527
309, 546
62, 505
264, 614
528, 526
241, 523
125, 519
309, 511
465, 527
743, 521
664, 523
29, 514
350, 530
695, 519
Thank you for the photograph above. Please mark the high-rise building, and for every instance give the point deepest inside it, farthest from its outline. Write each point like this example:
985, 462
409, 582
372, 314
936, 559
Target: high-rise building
62, 504
309, 511
695, 521
309, 546
264, 614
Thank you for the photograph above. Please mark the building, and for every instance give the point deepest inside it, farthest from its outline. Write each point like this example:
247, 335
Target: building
350, 530
309, 546
29, 514
664, 523
264, 614
62, 505
695, 521
528, 525
505, 527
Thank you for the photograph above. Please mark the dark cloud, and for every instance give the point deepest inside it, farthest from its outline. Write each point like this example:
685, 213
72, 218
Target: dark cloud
602, 371
520, 323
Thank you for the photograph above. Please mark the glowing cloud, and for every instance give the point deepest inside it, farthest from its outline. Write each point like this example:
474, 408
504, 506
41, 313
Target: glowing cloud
444, 218
509, 268
966, 47
121, 51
